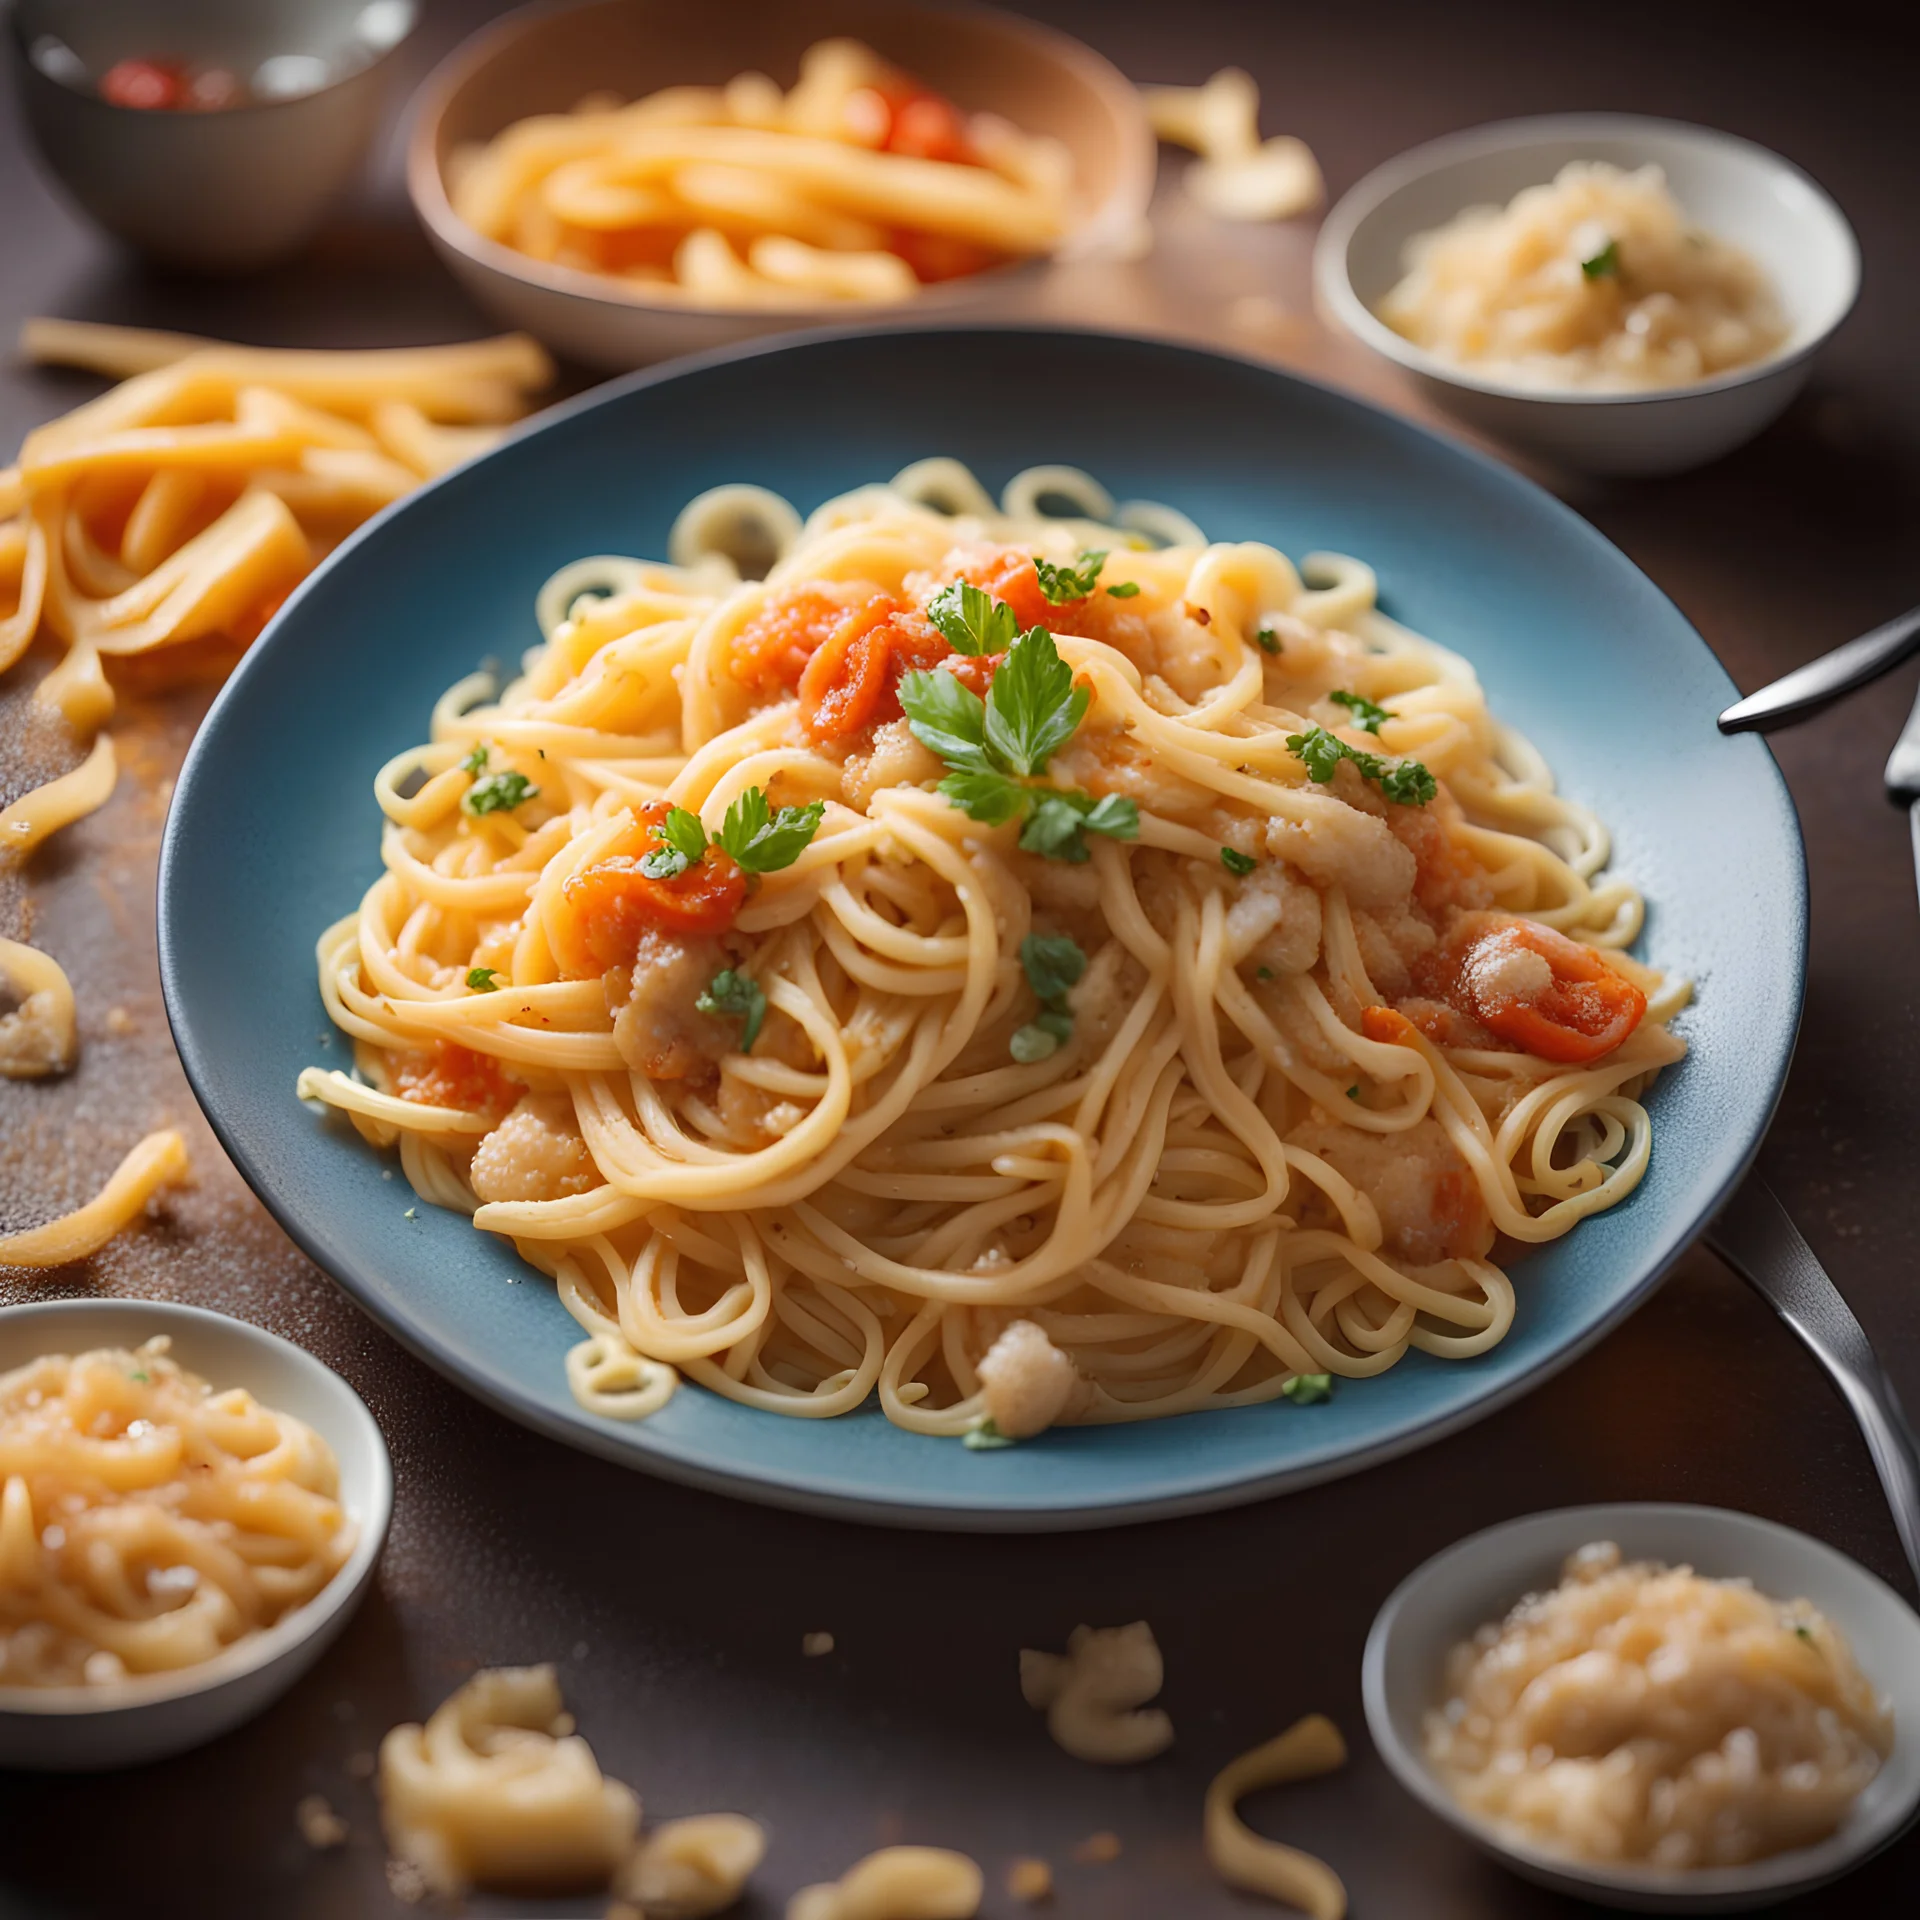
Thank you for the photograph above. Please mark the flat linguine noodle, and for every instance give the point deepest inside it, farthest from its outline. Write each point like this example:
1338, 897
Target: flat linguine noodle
1019, 960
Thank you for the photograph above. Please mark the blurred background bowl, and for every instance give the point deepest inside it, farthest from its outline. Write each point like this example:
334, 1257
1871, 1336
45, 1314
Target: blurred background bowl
92, 1728
544, 60
1730, 187
225, 190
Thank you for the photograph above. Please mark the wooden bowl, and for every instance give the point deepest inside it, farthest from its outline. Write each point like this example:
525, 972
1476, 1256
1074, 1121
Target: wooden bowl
543, 60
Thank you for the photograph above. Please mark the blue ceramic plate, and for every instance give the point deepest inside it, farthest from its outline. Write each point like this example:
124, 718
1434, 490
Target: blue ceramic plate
274, 833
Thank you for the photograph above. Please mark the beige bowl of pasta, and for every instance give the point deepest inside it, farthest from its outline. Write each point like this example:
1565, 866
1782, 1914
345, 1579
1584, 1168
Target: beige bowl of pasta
190, 1511
1611, 293
631, 180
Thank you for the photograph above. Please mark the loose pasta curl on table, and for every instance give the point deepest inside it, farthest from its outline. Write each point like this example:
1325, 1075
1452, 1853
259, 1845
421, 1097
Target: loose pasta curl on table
842, 1138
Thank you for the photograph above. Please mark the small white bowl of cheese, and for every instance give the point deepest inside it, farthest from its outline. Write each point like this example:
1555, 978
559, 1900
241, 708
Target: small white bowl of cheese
1541, 284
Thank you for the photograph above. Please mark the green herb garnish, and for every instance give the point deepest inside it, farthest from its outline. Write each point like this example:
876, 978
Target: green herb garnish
736, 996
476, 761
971, 620
499, 793
1405, 781
758, 838
1123, 590
1053, 963
483, 979
1353, 1094
1308, 1389
985, 1437
765, 841
1804, 1631
141, 1378
1062, 584
1366, 713
1237, 862
996, 745
1605, 262
1263, 973
1267, 640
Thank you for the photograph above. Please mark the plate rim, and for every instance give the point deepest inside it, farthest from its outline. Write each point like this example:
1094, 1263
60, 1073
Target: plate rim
799, 1491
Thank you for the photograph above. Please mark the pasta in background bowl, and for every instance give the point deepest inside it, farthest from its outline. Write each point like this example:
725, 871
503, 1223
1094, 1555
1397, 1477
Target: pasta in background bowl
717, 184
199, 1664
1762, 207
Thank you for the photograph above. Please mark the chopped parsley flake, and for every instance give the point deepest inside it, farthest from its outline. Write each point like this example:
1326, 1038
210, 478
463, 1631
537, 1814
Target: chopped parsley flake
1237, 862
1064, 584
1308, 1389
1404, 781
1366, 713
476, 762
499, 793
483, 979
1603, 264
1267, 640
985, 1438
140, 1377
753, 834
736, 996
1053, 963
1123, 590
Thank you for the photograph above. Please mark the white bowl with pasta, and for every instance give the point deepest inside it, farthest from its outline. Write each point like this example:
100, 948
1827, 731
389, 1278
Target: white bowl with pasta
1851, 1624
630, 180
1763, 217
122, 1719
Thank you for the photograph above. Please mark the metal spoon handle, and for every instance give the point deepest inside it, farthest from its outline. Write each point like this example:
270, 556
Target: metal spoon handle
1795, 695
1758, 1240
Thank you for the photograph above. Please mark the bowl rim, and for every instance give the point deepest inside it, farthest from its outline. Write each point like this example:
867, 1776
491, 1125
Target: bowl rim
427, 188
312, 1617
1333, 246
94, 100
1776, 1874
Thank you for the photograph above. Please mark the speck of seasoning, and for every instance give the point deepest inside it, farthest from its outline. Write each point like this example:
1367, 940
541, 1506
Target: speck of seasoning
320, 1827
412, 1213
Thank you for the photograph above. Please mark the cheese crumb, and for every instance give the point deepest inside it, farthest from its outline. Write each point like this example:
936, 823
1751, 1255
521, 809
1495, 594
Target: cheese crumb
1031, 1881
1098, 1849
813, 1645
320, 1827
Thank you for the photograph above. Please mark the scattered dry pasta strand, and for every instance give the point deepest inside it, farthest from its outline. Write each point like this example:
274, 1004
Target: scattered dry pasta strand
37, 1037
1241, 1858
897, 1883
46, 809
159, 1160
1238, 176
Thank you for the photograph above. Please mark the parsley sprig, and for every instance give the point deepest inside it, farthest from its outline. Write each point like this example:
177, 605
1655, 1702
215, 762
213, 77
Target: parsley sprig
736, 996
1307, 1389
1605, 263
758, 838
1053, 962
1069, 581
1366, 713
996, 746
1321, 752
971, 620
483, 979
1237, 862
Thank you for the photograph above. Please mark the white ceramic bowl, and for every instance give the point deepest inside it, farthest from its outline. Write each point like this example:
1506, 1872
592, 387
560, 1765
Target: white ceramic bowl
1732, 188
545, 58
87, 1729
1442, 1602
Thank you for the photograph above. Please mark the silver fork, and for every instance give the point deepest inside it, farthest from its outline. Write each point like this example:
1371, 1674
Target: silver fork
1756, 1237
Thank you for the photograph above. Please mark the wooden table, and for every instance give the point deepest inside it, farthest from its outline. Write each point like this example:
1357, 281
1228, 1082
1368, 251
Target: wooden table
676, 1617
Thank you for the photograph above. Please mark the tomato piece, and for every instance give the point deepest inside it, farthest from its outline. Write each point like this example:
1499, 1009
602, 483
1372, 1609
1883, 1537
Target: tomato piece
771, 650
616, 903
930, 128
149, 85
1008, 575
940, 256
841, 690
446, 1075
1537, 990
1390, 1028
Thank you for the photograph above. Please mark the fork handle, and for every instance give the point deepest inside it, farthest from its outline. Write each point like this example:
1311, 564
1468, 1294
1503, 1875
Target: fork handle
1756, 1237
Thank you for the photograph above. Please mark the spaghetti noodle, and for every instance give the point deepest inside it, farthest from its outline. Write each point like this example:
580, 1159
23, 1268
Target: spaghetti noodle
1001, 913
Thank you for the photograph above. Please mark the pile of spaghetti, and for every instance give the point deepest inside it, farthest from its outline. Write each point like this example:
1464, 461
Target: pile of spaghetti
1031, 965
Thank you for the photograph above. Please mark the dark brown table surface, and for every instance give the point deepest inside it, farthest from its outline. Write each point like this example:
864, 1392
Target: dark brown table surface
676, 1617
